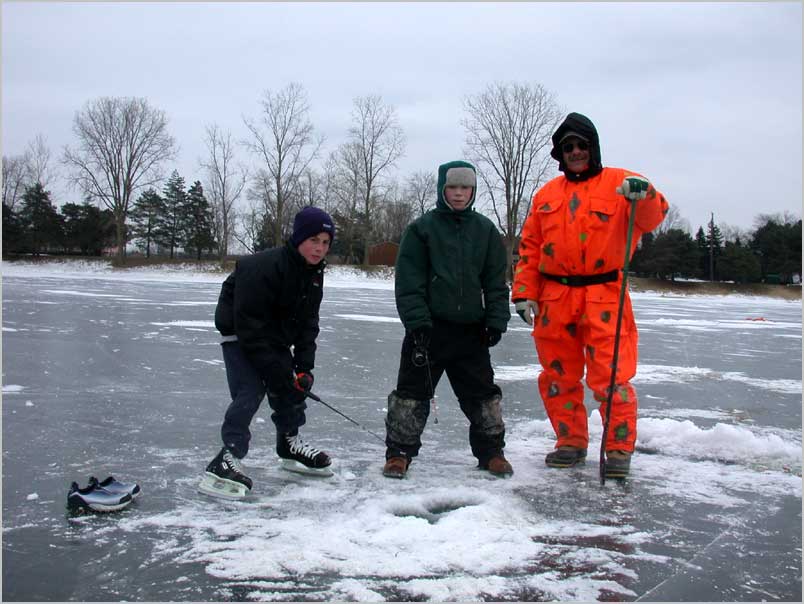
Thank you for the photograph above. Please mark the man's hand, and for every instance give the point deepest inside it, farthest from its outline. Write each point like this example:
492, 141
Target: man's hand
634, 188
527, 309
303, 381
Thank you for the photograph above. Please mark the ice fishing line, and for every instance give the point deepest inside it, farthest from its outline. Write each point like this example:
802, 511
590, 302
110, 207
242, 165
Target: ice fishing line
328, 406
610, 395
421, 358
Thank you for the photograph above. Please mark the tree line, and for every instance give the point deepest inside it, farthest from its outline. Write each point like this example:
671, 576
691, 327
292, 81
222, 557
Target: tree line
771, 253
122, 146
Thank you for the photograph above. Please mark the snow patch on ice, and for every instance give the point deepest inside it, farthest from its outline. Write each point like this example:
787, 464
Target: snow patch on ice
209, 324
657, 374
372, 318
723, 442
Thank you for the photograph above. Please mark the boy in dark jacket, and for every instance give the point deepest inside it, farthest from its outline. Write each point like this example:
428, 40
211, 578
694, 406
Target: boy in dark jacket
452, 298
267, 315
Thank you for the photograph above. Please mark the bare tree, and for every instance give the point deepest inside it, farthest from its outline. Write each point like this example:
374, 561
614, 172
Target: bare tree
733, 233
40, 168
283, 138
379, 142
315, 189
782, 218
673, 220
15, 179
347, 186
251, 222
508, 131
226, 179
420, 190
122, 142
396, 213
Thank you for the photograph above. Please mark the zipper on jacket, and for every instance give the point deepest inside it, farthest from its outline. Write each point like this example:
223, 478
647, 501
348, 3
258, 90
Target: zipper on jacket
460, 263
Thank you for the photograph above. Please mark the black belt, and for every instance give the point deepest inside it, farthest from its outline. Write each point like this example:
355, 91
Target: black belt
581, 280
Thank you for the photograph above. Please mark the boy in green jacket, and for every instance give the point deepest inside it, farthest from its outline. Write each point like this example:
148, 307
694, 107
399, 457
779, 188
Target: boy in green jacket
452, 298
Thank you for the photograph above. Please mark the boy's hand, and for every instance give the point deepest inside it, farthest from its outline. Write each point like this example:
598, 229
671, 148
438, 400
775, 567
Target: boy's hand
634, 188
527, 309
303, 381
493, 336
421, 336
280, 379
421, 345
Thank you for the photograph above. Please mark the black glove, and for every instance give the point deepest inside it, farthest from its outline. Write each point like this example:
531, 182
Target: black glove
421, 345
304, 381
421, 336
492, 336
280, 378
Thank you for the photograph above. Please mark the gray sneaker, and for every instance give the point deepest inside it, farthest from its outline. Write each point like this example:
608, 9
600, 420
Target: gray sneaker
116, 487
93, 499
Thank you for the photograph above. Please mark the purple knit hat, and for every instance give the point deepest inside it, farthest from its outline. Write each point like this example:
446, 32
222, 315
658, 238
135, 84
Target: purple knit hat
311, 221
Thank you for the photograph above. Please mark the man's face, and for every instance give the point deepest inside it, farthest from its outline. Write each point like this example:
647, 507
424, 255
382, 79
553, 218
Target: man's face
576, 154
458, 197
313, 249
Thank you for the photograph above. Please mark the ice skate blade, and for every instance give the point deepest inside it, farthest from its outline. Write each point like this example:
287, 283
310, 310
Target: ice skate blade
220, 487
291, 465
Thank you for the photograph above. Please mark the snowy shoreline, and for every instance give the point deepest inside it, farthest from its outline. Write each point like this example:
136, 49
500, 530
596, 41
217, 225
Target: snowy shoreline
336, 276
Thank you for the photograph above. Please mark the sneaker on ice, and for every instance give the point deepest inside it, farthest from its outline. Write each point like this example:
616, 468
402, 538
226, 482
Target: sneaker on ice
116, 487
93, 499
225, 478
298, 456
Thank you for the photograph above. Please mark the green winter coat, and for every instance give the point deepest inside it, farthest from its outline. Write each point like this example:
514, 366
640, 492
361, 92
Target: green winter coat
451, 266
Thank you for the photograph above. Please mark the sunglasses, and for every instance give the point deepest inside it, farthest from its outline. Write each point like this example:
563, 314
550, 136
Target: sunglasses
568, 147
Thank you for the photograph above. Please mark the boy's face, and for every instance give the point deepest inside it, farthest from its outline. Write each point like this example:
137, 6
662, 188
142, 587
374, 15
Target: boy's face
313, 249
458, 197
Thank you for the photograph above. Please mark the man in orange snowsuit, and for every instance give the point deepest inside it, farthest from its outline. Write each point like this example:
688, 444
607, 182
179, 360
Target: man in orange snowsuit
567, 285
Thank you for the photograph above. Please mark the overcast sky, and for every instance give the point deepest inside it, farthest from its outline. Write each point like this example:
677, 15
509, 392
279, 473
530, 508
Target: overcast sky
703, 99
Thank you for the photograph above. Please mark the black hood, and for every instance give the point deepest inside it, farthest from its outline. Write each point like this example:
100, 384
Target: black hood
576, 122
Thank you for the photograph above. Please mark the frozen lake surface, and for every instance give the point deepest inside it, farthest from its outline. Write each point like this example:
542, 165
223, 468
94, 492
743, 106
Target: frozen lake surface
121, 373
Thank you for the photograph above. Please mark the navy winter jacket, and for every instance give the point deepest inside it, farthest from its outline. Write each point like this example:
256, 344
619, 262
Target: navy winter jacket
271, 303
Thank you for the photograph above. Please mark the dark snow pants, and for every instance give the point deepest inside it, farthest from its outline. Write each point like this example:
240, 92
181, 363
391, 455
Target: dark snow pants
248, 390
460, 351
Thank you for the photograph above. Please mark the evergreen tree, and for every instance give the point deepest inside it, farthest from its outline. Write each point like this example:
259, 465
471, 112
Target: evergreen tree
200, 222
714, 244
265, 236
642, 255
87, 228
12, 231
144, 220
170, 220
672, 253
703, 253
738, 263
41, 223
779, 249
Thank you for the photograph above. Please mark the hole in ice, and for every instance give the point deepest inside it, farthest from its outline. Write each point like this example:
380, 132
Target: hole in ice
432, 510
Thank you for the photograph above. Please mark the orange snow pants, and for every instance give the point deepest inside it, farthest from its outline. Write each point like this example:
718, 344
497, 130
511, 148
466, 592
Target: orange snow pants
575, 328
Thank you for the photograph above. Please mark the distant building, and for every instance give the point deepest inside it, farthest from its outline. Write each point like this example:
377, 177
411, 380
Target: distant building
383, 254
